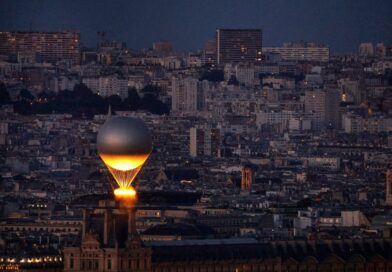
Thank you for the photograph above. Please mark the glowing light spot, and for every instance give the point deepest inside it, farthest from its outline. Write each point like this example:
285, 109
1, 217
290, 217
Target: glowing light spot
124, 162
120, 192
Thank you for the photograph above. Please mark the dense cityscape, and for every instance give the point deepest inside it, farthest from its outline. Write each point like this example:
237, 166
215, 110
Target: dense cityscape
263, 158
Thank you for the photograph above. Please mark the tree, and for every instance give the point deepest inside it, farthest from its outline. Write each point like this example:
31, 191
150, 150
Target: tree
82, 91
45, 97
4, 94
115, 102
388, 75
151, 89
154, 105
304, 203
26, 95
233, 81
214, 75
133, 99
83, 102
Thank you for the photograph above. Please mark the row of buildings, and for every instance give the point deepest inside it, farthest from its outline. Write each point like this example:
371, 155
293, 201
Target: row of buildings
230, 46
278, 165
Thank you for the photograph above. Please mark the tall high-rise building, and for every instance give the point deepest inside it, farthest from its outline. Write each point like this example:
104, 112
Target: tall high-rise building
388, 193
323, 106
187, 95
380, 50
209, 52
238, 45
163, 48
47, 46
204, 141
366, 49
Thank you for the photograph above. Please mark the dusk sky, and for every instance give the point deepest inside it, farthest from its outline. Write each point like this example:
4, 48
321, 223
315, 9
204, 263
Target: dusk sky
188, 24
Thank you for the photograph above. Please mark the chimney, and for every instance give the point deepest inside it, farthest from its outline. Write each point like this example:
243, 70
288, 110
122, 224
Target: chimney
132, 233
86, 215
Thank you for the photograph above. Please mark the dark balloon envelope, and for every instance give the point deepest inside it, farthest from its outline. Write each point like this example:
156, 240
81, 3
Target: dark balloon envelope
124, 136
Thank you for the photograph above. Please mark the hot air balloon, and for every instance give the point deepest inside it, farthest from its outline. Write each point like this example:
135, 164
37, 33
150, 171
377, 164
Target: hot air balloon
124, 145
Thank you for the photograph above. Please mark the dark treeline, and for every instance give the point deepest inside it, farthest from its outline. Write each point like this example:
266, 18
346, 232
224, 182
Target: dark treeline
214, 75
81, 101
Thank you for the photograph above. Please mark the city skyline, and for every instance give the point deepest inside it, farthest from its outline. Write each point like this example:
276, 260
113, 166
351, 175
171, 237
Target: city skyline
268, 149
328, 23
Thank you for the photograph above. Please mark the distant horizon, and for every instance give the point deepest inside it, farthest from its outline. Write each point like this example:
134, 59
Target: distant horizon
190, 50
340, 25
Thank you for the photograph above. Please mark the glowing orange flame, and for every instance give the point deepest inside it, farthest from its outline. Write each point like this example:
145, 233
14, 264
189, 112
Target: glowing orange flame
124, 169
124, 162
120, 192
127, 197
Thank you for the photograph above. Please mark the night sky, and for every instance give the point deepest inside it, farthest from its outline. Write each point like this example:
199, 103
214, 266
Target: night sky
188, 24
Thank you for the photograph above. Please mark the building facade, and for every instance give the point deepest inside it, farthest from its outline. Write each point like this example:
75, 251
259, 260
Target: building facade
110, 243
187, 95
388, 192
107, 85
238, 45
323, 107
247, 178
204, 141
47, 46
300, 52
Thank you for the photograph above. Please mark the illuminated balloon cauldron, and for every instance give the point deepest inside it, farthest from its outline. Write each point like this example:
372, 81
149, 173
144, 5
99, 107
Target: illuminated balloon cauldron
124, 144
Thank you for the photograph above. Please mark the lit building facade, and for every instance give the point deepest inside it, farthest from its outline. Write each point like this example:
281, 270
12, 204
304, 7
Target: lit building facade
47, 46
109, 242
247, 178
107, 85
209, 53
238, 45
300, 52
388, 193
163, 48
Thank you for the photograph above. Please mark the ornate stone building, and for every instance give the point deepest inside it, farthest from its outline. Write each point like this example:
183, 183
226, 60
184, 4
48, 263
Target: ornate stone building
110, 243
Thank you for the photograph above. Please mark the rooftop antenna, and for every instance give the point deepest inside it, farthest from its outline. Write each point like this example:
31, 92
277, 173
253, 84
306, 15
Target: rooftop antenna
101, 38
